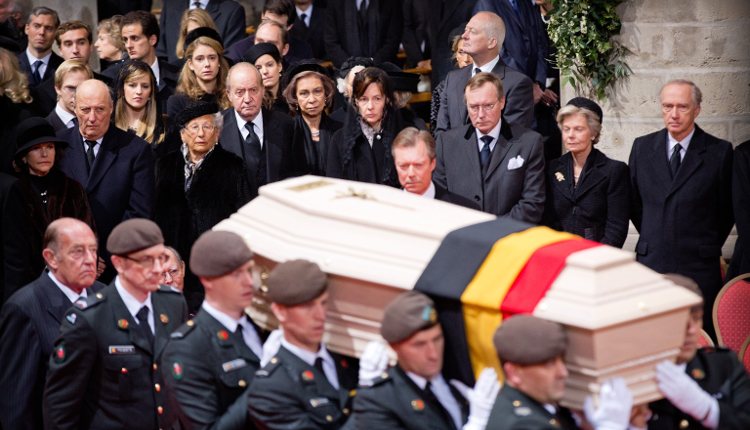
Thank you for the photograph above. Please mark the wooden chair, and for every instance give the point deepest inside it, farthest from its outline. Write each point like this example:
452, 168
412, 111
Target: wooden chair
731, 313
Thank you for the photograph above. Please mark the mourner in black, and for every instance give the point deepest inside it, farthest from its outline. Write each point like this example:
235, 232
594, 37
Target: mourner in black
104, 371
304, 386
211, 359
413, 395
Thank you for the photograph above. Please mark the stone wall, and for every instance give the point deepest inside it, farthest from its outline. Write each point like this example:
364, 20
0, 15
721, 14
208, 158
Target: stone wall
707, 41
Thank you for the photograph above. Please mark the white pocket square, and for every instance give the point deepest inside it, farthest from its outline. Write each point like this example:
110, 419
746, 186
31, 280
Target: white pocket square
515, 162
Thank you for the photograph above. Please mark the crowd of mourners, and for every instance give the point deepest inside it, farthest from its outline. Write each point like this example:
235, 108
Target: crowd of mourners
121, 308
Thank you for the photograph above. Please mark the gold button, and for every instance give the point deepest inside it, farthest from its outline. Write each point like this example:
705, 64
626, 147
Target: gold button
329, 418
242, 383
684, 424
99, 296
352, 393
157, 388
274, 360
159, 410
516, 403
155, 367
190, 323
345, 411
554, 422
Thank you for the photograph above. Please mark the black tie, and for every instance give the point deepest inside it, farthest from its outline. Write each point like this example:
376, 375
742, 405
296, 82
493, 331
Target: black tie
255, 154
484, 154
142, 317
252, 140
432, 399
80, 302
303, 18
90, 153
674, 160
37, 75
364, 37
197, 5
477, 71
319, 365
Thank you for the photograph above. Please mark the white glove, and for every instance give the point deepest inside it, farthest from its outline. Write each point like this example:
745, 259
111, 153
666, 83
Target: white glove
372, 363
271, 346
481, 398
682, 391
615, 402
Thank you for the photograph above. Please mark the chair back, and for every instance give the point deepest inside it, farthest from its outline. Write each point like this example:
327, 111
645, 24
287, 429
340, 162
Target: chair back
705, 341
745, 354
731, 313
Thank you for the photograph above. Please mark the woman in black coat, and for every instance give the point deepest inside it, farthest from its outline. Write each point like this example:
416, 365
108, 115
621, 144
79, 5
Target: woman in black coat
197, 187
41, 195
361, 150
588, 194
309, 94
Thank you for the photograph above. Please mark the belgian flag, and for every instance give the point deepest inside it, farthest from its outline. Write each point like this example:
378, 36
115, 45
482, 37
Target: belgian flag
484, 273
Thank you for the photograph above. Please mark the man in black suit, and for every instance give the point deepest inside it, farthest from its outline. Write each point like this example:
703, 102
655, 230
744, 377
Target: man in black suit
309, 26
140, 31
414, 156
363, 28
104, 371
228, 15
741, 197
38, 61
68, 76
682, 194
30, 320
212, 359
483, 38
498, 165
262, 137
442, 22
115, 167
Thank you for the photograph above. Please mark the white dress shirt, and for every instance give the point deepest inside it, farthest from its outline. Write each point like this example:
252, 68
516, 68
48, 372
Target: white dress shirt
442, 391
494, 134
70, 294
134, 305
329, 366
671, 142
257, 126
249, 335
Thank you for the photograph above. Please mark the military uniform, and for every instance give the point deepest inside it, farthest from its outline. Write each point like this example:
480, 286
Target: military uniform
719, 373
394, 401
207, 369
290, 394
104, 372
515, 410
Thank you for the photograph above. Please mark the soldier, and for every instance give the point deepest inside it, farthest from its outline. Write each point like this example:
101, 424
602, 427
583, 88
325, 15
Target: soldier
413, 394
104, 370
304, 385
531, 352
212, 358
705, 388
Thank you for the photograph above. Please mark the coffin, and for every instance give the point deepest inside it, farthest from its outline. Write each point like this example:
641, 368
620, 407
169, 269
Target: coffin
375, 241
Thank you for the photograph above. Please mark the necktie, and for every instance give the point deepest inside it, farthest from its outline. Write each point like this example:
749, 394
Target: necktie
477, 71
674, 160
484, 154
432, 399
252, 139
197, 5
142, 317
90, 153
37, 73
80, 302
319, 364
303, 18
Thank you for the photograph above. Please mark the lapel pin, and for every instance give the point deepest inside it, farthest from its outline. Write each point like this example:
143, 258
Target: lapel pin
698, 374
417, 404
308, 376
164, 318
122, 324
223, 335
559, 176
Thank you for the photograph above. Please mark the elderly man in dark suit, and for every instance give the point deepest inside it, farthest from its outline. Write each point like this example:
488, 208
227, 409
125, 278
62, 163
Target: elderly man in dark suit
228, 15
442, 22
483, 39
30, 319
682, 194
260, 136
363, 28
38, 61
498, 165
115, 167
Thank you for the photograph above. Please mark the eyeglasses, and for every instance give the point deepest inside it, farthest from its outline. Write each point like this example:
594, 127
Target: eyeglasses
171, 272
477, 108
148, 262
681, 108
195, 128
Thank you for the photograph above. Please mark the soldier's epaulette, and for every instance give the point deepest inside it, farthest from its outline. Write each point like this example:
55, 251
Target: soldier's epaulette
383, 378
94, 299
183, 330
167, 289
269, 368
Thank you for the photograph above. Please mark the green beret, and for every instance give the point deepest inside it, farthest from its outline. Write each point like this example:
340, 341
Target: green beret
407, 314
134, 235
525, 339
217, 253
296, 282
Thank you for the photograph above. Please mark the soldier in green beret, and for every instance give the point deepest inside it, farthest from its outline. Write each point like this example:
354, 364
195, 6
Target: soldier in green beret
210, 361
104, 371
413, 394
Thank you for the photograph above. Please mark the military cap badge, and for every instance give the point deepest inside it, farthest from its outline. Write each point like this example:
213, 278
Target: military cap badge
429, 314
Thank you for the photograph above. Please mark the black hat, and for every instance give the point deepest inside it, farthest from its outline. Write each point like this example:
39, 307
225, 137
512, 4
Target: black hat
33, 131
303, 66
526, 339
217, 253
296, 282
352, 62
260, 49
134, 235
401, 81
583, 102
459, 30
407, 314
194, 110
202, 32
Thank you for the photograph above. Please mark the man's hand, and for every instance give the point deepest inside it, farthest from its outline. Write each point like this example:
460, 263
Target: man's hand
537, 93
615, 402
271, 346
373, 363
682, 391
481, 398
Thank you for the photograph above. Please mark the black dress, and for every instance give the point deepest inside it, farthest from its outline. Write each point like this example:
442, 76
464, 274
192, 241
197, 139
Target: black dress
315, 152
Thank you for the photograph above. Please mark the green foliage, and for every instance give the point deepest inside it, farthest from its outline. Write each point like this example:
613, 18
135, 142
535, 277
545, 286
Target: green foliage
588, 56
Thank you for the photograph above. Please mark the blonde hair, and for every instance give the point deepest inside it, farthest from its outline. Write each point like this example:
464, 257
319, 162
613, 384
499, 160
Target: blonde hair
113, 27
592, 119
69, 66
146, 127
14, 83
188, 82
198, 16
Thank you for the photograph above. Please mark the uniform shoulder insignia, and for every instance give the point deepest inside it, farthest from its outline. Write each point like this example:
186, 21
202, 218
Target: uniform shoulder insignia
183, 330
94, 300
269, 368
382, 379
167, 289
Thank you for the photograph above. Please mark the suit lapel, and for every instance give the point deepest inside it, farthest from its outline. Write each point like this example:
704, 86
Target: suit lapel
161, 319
229, 139
591, 174
470, 155
121, 313
104, 159
504, 143
562, 172
51, 298
655, 153
75, 157
692, 161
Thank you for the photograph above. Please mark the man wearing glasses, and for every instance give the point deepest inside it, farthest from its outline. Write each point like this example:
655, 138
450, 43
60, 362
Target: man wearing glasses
104, 371
197, 187
498, 165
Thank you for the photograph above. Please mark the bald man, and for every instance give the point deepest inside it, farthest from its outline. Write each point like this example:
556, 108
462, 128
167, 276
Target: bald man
115, 167
30, 320
262, 137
